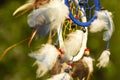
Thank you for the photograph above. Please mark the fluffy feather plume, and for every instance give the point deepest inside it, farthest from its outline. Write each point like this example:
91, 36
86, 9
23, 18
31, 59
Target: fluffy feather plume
73, 43
109, 30
89, 62
83, 68
80, 69
57, 67
61, 76
103, 22
82, 48
39, 20
23, 7
97, 26
103, 59
84, 40
44, 19
45, 58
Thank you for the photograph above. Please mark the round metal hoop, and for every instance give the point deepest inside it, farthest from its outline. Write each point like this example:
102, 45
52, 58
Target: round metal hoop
84, 24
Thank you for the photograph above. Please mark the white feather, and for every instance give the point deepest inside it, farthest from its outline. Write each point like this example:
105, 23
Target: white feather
103, 22
42, 68
83, 46
97, 26
49, 17
84, 40
45, 58
23, 7
61, 76
109, 30
103, 59
73, 43
89, 62
54, 10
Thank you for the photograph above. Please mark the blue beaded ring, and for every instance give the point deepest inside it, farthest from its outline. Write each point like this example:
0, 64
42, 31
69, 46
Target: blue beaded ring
84, 24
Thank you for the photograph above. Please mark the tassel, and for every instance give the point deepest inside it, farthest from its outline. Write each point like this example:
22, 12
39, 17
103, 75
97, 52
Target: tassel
73, 43
61, 76
45, 58
103, 22
103, 59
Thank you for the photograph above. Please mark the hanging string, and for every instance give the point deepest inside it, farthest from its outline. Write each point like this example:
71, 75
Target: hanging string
68, 69
14, 45
59, 32
108, 45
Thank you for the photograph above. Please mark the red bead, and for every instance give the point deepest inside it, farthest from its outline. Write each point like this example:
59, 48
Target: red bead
61, 51
76, 17
87, 49
70, 64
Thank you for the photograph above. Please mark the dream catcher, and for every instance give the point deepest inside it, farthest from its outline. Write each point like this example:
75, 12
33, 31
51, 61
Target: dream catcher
67, 57
101, 20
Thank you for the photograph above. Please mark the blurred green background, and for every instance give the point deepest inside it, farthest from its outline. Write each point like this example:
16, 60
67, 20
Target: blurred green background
17, 65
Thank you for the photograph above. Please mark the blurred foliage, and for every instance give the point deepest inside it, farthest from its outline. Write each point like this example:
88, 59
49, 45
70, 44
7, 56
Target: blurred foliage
17, 65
